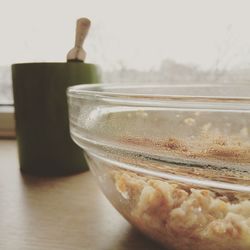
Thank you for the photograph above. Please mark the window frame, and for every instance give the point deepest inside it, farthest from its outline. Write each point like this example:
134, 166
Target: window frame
7, 121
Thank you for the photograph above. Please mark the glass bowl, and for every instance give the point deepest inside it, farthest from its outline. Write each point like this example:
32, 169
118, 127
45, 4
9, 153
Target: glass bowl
174, 160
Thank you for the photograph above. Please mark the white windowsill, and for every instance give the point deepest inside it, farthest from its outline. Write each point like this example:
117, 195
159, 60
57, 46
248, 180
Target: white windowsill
7, 122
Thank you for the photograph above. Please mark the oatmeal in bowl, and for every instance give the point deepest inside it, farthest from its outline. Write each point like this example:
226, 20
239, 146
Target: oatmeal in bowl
173, 160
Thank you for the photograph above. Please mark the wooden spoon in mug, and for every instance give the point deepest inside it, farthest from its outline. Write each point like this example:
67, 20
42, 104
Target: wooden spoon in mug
78, 54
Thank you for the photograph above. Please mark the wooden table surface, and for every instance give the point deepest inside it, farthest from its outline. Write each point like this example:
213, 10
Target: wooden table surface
58, 213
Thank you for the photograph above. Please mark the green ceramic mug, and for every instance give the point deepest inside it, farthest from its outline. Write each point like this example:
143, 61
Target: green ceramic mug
41, 113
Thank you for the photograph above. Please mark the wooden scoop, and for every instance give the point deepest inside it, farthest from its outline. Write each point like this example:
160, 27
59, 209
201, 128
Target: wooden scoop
78, 54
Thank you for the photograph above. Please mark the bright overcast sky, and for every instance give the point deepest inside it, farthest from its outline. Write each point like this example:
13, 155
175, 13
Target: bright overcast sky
139, 34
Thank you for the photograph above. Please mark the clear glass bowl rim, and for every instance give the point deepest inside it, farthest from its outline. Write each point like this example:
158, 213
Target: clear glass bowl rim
118, 93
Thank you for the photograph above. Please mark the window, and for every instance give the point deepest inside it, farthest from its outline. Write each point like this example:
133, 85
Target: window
167, 41
7, 128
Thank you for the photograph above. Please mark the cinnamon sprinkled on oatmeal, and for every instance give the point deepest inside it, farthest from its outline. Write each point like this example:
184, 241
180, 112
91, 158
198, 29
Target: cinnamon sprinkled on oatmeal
216, 148
186, 216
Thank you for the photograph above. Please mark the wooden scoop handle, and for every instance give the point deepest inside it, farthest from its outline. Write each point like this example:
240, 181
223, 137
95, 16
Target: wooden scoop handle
78, 53
82, 28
